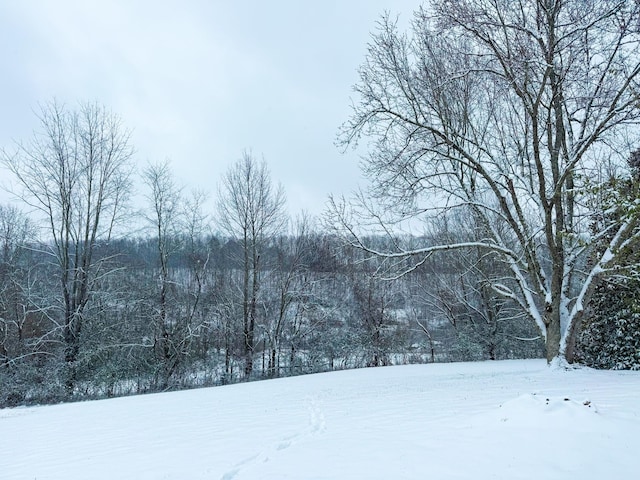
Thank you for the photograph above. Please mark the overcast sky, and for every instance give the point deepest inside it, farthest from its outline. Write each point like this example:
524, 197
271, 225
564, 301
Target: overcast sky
200, 81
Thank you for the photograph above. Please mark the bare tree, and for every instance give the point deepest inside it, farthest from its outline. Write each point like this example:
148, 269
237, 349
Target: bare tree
198, 256
165, 201
251, 211
506, 109
289, 287
15, 232
75, 172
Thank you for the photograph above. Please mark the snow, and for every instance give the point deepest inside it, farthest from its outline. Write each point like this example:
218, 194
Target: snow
500, 420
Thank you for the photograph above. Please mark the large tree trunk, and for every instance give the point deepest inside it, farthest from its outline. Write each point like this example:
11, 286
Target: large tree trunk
71, 351
552, 319
572, 338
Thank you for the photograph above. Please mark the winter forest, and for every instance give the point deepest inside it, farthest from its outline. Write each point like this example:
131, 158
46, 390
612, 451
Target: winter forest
500, 221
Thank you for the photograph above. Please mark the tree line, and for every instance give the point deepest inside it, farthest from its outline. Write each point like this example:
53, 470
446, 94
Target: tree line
88, 311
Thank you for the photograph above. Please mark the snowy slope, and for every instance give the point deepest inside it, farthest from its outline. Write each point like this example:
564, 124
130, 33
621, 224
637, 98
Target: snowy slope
502, 420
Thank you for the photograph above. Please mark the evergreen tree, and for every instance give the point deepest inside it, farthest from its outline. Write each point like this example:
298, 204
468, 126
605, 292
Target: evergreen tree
611, 334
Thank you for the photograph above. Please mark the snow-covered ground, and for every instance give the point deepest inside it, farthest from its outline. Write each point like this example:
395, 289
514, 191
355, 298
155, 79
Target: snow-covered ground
501, 420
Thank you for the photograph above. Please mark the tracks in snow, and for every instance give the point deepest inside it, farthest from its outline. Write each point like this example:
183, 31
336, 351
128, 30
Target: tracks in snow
316, 425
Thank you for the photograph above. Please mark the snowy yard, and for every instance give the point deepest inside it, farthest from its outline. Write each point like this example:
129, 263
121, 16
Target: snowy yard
502, 420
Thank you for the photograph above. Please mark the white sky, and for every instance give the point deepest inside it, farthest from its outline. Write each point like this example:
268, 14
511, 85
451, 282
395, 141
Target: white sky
200, 81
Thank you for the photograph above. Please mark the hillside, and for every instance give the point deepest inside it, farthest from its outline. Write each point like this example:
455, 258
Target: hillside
505, 420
